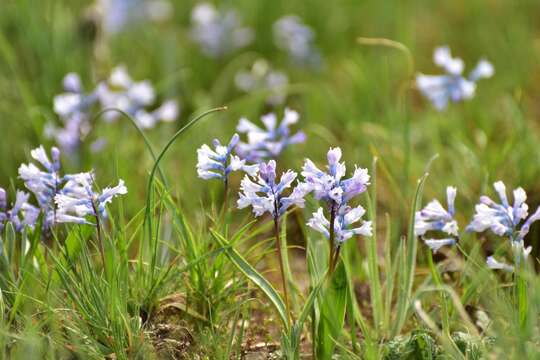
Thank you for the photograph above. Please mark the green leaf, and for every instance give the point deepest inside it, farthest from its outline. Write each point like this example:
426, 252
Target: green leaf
332, 313
252, 274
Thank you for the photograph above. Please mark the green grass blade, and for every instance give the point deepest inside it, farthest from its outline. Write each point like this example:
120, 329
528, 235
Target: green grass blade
404, 298
372, 256
252, 274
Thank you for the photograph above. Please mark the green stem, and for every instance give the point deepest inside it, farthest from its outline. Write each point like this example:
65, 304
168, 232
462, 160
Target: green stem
225, 202
332, 235
281, 266
100, 241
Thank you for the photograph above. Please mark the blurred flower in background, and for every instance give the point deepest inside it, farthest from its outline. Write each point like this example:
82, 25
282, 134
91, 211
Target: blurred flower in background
296, 38
441, 89
72, 107
271, 141
134, 98
261, 77
218, 33
117, 15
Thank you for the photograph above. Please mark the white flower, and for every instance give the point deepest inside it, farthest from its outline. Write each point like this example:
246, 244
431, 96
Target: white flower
504, 219
492, 263
78, 200
219, 163
343, 230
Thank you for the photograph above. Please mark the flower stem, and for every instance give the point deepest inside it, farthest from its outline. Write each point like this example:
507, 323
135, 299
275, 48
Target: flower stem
335, 259
100, 240
281, 267
332, 235
225, 202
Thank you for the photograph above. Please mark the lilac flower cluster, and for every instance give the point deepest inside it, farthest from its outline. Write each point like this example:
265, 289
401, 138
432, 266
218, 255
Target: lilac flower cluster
119, 92
67, 198
218, 32
270, 141
441, 89
296, 38
435, 218
264, 194
504, 219
220, 162
262, 78
78, 199
20, 215
43, 183
337, 192
511, 221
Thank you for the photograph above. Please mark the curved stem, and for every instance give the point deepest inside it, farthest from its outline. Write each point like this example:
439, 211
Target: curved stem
148, 218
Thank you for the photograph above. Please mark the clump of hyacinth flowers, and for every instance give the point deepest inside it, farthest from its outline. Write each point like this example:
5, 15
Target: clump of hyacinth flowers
44, 182
507, 220
78, 200
336, 192
20, 215
220, 162
453, 86
264, 194
268, 142
435, 218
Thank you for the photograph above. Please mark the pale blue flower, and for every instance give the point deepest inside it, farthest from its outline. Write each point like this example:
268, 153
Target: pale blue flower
135, 99
220, 162
73, 107
493, 264
296, 38
262, 78
434, 217
271, 141
70, 136
343, 224
117, 15
44, 182
74, 100
218, 33
78, 200
21, 215
264, 194
502, 218
441, 89
330, 186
